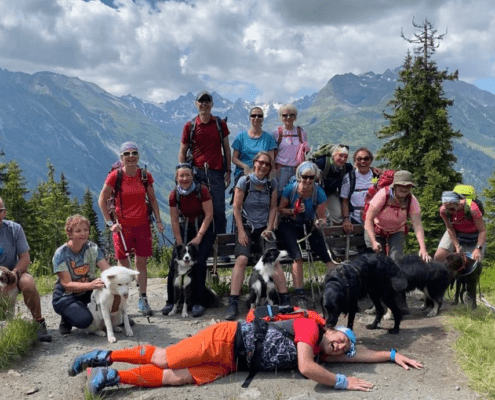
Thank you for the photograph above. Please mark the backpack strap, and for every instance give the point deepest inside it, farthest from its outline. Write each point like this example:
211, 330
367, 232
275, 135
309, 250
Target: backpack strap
299, 134
326, 168
218, 121
260, 329
280, 135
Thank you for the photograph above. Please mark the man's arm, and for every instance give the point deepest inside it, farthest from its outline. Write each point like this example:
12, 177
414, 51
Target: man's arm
22, 264
183, 152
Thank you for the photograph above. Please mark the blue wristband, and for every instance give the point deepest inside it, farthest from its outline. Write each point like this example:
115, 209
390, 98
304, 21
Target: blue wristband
392, 354
342, 382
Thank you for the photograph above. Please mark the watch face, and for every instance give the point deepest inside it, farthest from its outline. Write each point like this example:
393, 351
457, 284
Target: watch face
109, 223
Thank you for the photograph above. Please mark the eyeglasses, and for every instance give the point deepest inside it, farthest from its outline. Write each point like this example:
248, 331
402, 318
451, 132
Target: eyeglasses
263, 163
363, 158
256, 116
130, 153
308, 177
288, 115
3, 209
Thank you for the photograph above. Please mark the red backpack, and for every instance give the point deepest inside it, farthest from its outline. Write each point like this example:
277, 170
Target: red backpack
281, 313
384, 181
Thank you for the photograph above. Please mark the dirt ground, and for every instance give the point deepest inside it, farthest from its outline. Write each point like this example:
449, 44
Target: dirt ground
43, 374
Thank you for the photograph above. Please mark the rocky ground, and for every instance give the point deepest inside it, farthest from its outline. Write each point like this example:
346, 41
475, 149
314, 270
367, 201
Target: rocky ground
43, 374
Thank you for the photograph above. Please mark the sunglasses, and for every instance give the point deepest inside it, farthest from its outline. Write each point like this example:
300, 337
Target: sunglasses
130, 153
363, 158
256, 116
3, 209
263, 163
288, 115
308, 177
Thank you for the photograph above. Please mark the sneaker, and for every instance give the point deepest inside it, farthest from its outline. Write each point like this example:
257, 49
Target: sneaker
232, 309
144, 307
43, 335
198, 310
131, 323
166, 310
285, 300
64, 328
95, 358
301, 301
100, 378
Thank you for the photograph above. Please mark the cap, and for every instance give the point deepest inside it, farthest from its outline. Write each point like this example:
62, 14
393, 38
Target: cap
204, 95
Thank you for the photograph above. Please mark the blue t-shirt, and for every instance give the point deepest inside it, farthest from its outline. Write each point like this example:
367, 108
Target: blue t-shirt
82, 265
249, 147
12, 243
309, 212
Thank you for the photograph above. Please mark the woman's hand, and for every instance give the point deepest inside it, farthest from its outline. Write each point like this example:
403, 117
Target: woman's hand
320, 223
405, 362
242, 238
377, 247
116, 228
97, 284
246, 170
347, 226
424, 255
159, 226
197, 239
477, 255
358, 384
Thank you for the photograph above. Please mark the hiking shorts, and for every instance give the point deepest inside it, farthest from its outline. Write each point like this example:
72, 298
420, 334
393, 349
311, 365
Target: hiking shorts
255, 235
467, 241
137, 239
208, 355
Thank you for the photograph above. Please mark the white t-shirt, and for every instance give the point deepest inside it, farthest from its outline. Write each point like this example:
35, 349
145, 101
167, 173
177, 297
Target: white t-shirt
363, 182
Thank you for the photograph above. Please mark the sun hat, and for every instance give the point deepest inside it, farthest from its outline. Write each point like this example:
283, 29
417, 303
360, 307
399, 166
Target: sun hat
403, 178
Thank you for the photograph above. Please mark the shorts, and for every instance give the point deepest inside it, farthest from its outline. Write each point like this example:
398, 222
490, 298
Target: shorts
289, 234
208, 355
334, 209
468, 241
241, 250
137, 239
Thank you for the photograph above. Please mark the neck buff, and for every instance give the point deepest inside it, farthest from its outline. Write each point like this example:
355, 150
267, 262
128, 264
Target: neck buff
185, 192
253, 178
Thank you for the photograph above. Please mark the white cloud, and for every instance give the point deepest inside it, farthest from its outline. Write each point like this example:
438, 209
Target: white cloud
161, 50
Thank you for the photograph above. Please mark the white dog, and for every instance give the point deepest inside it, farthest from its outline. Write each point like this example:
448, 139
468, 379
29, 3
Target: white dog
109, 305
8, 293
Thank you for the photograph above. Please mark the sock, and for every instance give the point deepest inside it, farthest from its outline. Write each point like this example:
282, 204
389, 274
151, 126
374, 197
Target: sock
142, 294
232, 296
133, 355
145, 376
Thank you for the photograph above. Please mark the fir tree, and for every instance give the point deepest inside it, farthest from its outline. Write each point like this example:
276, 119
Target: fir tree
14, 193
419, 135
489, 204
89, 212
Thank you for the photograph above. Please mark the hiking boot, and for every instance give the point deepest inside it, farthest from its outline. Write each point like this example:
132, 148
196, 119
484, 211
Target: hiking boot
198, 310
144, 307
95, 358
232, 309
131, 323
64, 328
301, 301
100, 378
285, 300
166, 310
43, 335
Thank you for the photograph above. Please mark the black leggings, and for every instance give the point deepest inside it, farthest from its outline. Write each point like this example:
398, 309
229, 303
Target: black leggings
73, 309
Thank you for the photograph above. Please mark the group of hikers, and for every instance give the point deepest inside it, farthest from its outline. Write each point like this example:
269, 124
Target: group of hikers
277, 192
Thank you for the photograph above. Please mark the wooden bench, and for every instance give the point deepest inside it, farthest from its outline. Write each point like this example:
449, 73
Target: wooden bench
335, 237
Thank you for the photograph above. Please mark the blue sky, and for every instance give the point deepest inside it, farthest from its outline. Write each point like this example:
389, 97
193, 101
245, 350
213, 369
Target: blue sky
257, 50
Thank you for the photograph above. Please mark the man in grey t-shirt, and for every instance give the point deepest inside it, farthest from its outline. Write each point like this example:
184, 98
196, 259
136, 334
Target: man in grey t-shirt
14, 255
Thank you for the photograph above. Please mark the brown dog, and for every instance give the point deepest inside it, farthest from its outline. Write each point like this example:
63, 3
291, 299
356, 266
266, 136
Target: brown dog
466, 273
8, 293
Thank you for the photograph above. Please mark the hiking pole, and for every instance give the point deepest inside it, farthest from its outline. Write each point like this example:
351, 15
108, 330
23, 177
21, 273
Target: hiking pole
124, 245
310, 261
329, 251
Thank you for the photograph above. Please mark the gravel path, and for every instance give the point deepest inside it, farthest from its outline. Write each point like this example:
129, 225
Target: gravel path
43, 375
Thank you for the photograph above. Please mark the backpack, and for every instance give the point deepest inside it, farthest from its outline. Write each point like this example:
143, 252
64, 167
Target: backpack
293, 193
143, 174
384, 181
192, 130
280, 318
469, 194
352, 184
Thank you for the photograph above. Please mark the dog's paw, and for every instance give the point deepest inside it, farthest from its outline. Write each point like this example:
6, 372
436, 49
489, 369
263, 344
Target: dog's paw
372, 326
393, 331
174, 310
129, 333
117, 329
388, 316
184, 312
432, 313
111, 339
100, 333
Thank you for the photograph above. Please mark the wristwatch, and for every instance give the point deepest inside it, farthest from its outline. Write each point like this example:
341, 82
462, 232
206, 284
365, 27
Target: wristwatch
479, 247
109, 223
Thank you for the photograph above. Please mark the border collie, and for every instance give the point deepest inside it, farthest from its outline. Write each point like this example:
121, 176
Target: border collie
261, 284
183, 267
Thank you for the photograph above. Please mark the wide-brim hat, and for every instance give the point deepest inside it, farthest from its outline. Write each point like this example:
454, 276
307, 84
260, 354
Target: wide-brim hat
403, 178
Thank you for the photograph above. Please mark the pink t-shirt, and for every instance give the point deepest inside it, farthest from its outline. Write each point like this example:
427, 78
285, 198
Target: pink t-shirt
287, 149
392, 218
459, 220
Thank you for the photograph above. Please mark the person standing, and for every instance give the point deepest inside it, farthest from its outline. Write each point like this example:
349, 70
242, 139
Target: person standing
201, 138
14, 255
131, 221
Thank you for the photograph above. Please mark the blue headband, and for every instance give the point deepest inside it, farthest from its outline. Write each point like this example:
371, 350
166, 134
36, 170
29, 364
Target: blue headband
352, 339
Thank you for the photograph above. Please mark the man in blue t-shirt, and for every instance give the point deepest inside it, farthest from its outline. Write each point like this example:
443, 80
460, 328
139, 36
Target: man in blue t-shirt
14, 255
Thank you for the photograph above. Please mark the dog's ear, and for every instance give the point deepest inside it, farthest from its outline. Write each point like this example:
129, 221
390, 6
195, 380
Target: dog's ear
179, 248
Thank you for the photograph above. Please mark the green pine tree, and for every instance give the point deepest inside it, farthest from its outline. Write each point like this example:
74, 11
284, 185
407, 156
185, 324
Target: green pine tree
89, 212
419, 132
14, 193
489, 204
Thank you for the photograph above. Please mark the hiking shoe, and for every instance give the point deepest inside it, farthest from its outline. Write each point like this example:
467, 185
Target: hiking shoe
64, 328
100, 378
131, 323
232, 309
43, 335
301, 301
144, 307
166, 310
285, 300
95, 358
198, 310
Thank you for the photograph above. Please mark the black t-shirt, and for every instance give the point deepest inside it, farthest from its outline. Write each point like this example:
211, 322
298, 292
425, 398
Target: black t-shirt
333, 181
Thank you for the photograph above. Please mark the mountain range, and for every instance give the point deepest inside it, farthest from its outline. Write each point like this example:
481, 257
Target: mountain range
78, 126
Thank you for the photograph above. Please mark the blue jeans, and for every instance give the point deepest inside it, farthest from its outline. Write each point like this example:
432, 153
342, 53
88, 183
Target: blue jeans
217, 191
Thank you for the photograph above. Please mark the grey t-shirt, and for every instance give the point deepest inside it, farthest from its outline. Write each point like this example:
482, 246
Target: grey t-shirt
12, 243
256, 207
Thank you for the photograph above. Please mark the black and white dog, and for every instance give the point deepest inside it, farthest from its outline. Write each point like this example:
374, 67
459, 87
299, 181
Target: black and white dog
183, 269
261, 284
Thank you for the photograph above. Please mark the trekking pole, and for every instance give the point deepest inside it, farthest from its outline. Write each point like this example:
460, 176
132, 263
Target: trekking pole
310, 262
124, 245
329, 251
